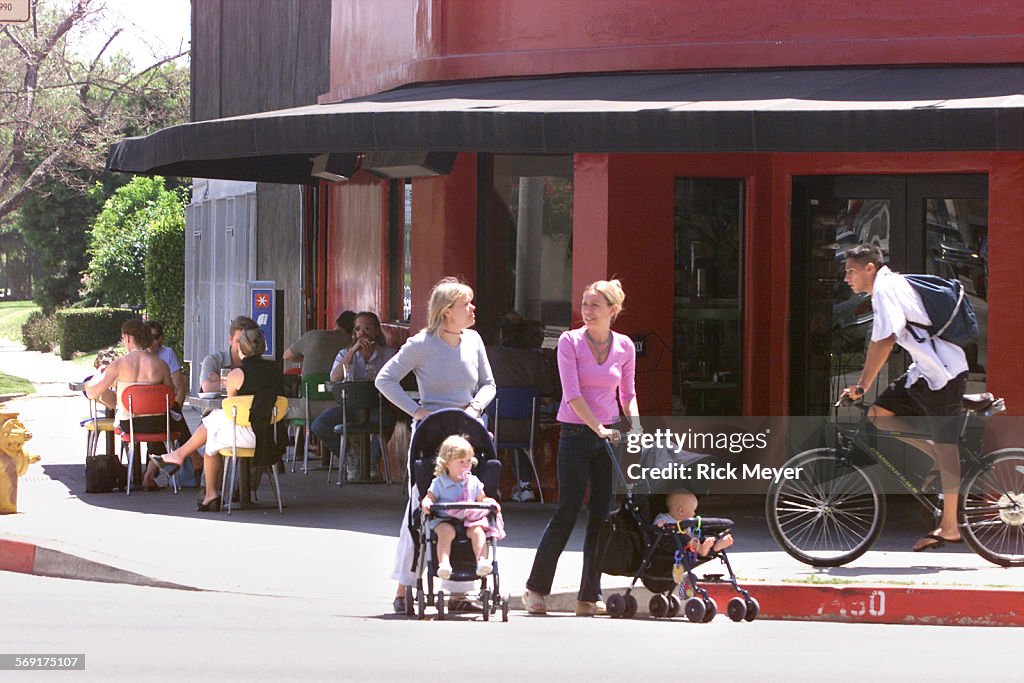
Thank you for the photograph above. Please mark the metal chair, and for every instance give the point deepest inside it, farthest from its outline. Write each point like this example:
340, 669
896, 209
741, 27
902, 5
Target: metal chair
357, 401
516, 403
309, 391
238, 407
94, 426
147, 400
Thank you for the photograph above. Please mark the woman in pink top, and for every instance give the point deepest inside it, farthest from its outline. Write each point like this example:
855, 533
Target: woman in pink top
594, 364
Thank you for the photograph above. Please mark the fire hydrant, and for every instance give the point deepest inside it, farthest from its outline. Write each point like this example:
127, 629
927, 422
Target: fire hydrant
14, 461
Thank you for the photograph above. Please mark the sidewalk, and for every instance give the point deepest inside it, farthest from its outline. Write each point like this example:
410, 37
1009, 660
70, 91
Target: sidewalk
159, 539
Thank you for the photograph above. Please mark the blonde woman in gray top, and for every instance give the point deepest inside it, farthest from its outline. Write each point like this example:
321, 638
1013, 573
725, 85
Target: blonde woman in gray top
452, 371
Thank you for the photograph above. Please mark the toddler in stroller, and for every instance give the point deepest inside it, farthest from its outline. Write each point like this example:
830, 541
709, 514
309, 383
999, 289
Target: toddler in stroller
662, 550
456, 524
455, 483
682, 507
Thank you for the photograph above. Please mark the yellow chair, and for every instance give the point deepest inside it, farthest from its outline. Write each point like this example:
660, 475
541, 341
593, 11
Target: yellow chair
237, 408
94, 426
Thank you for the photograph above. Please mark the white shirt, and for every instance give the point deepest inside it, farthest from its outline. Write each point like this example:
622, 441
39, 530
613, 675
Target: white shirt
894, 302
361, 368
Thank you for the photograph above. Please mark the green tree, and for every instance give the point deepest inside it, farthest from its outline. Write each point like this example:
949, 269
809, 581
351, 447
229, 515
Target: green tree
61, 111
119, 240
165, 277
55, 224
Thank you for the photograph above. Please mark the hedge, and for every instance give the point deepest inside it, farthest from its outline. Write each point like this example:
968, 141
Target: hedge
87, 329
165, 277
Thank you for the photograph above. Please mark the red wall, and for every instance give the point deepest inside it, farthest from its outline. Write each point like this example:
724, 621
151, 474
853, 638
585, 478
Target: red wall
640, 244
380, 44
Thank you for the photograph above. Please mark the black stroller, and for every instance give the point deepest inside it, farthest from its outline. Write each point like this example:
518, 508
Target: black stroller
423, 448
664, 558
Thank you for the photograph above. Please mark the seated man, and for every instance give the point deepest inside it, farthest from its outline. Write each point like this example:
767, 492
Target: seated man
514, 364
209, 372
359, 362
167, 355
317, 349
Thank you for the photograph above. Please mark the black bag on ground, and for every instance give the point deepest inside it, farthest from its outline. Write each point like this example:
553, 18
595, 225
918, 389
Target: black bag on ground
104, 473
619, 544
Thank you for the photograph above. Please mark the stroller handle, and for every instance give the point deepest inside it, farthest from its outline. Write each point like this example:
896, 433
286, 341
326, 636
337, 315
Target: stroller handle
467, 505
616, 468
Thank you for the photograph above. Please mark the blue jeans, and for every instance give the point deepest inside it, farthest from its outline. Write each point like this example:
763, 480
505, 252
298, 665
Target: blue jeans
582, 458
323, 428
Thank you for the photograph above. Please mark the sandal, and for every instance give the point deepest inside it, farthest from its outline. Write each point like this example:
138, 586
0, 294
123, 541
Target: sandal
534, 602
939, 542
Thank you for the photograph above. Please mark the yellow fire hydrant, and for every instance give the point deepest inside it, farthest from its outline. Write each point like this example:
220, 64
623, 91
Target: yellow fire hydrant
14, 461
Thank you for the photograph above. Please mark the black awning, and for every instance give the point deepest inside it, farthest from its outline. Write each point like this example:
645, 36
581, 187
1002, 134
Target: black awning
891, 109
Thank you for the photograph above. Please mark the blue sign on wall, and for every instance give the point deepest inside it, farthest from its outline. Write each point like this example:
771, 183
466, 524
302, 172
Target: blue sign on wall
263, 304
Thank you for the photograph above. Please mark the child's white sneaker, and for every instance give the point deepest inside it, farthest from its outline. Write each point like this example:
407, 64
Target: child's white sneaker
483, 567
444, 570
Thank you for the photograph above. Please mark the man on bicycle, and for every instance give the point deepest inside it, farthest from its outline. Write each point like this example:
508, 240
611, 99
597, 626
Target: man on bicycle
932, 386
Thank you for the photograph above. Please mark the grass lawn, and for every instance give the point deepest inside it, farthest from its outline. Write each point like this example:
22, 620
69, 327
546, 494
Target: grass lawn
9, 384
13, 315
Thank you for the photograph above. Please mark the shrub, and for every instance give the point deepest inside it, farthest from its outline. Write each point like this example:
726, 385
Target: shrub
39, 333
165, 277
116, 272
85, 329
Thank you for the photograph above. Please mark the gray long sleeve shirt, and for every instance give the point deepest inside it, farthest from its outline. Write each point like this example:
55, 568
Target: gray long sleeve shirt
447, 376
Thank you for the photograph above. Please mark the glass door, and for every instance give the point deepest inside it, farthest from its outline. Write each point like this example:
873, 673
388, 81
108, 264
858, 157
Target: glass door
932, 224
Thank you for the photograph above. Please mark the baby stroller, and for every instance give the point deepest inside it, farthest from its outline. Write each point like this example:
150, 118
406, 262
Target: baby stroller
423, 448
665, 558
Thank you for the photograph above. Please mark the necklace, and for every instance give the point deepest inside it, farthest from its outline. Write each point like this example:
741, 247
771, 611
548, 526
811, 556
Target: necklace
600, 349
457, 334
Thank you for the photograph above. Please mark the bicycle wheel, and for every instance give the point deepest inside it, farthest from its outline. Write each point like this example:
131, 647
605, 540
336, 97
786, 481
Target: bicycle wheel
992, 508
828, 516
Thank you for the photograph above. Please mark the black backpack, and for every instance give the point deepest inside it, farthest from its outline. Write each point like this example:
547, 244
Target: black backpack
948, 307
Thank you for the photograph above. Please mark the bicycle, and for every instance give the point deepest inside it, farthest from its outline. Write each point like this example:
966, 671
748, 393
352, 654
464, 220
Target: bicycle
834, 512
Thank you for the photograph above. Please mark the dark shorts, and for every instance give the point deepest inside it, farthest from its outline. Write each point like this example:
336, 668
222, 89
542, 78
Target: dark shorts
941, 406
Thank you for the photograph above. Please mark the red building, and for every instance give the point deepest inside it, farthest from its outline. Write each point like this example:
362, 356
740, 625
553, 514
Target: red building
715, 155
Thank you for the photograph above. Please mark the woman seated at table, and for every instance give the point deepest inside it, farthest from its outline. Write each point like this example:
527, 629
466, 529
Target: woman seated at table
256, 377
136, 367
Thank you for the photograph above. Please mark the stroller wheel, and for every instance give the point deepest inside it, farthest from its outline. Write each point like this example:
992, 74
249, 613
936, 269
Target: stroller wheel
410, 610
421, 603
710, 609
485, 603
616, 606
694, 609
658, 606
736, 609
674, 606
631, 607
505, 607
753, 609
440, 605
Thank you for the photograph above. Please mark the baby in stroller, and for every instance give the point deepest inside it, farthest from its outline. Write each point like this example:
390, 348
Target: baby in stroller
682, 507
455, 483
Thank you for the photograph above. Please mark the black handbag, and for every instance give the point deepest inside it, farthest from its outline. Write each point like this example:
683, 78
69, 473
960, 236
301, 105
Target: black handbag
619, 544
104, 473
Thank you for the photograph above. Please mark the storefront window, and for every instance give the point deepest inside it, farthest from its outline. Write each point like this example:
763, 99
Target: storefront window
525, 240
708, 283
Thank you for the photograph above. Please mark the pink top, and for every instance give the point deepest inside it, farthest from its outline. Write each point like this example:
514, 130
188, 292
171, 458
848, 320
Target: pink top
582, 376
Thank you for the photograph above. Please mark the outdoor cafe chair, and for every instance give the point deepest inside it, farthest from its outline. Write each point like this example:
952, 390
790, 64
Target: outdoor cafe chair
357, 401
146, 400
518, 403
310, 392
94, 427
237, 408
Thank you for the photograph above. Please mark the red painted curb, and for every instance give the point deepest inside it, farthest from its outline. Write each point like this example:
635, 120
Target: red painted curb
17, 557
881, 604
